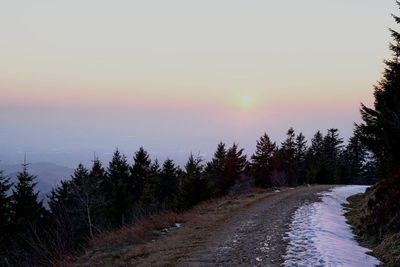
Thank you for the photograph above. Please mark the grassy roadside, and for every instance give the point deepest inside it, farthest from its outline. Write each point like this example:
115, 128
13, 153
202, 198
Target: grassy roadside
157, 241
375, 219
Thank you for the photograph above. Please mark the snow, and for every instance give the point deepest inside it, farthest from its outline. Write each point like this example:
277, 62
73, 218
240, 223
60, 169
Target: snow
320, 236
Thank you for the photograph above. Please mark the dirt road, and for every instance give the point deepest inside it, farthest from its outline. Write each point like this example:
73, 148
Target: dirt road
254, 236
246, 230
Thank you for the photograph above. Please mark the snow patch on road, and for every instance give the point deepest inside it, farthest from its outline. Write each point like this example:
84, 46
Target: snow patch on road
320, 236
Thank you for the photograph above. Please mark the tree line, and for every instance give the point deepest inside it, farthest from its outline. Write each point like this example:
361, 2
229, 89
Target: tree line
101, 198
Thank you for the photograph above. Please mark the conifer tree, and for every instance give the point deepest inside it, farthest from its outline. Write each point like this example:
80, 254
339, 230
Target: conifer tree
332, 156
27, 210
140, 171
97, 174
60, 196
289, 145
261, 161
288, 156
119, 190
355, 162
315, 161
85, 188
300, 157
235, 165
380, 130
216, 167
151, 195
169, 178
5, 211
194, 186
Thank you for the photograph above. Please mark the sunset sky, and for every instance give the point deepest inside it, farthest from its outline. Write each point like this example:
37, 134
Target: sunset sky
178, 76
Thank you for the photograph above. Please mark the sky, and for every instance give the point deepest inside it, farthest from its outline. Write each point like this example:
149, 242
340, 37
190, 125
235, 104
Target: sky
179, 76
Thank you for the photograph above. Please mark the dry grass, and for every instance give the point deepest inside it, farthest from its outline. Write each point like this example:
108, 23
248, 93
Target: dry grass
146, 244
375, 218
140, 232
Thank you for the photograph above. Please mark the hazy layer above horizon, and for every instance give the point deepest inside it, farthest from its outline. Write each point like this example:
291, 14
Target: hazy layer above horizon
78, 77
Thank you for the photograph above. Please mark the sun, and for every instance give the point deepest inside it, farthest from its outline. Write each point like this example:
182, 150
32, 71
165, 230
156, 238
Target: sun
245, 100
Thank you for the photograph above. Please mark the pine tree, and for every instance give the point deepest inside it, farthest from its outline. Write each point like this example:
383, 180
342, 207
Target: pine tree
5, 211
300, 158
216, 167
28, 211
194, 186
140, 171
119, 190
261, 161
169, 178
235, 166
355, 160
60, 197
288, 156
314, 158
97, 174
151, 195
324, 158
380, 130
332, 155
85, 189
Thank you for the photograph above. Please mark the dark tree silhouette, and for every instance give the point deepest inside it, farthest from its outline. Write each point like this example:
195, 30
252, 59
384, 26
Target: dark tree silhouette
235, 165
216, 168
300, 158
169, 178
27, 210
119, 190
140, 171
5, 215
194, 186
380, 129
262, 161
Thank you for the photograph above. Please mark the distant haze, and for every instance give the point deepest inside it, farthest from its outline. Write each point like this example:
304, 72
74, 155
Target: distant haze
78, 77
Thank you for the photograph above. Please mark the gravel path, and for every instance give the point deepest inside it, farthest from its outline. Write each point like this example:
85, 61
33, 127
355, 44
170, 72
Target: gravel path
254, 237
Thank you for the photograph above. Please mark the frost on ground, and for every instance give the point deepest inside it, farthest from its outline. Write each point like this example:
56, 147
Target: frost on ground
320, 236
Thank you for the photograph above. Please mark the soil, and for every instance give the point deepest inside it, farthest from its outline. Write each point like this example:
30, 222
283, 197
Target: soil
255, 236
246, 230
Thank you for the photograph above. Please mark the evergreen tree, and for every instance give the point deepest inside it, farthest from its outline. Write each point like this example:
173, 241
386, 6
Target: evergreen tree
216, 167
119, 190
325, 158
96, 179
194, 186
300, 158
151, 195
261, 161
169, 178
380, 130
332, 156
27, 210
5, 212
288, 156
355, 160
235, 165
28, 215
140, 171
314, 157
85, 189
97, 174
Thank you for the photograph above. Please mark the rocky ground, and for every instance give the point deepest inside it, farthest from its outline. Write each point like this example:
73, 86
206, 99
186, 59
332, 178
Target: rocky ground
233, 231
254, 236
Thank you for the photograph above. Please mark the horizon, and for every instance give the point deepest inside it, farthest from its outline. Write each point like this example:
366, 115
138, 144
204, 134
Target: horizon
179, 77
